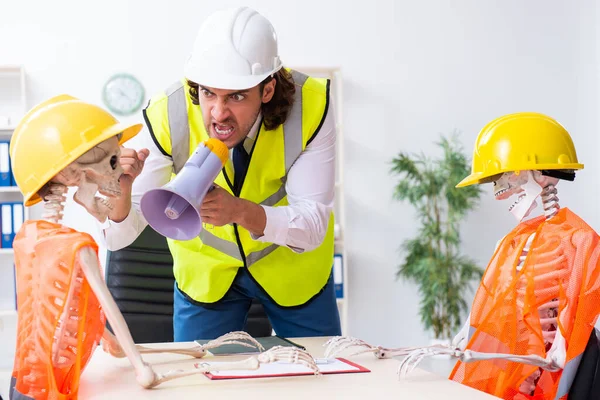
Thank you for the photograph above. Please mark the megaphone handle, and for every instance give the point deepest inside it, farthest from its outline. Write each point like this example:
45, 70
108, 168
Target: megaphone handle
210, 189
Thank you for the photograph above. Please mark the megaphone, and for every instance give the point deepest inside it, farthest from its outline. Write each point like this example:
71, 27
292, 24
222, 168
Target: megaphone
174, 209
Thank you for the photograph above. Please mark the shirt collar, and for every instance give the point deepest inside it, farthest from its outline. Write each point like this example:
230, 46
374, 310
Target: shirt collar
251, 137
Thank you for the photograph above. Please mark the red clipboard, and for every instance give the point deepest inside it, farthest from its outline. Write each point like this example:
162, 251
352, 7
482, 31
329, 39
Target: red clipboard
274, 370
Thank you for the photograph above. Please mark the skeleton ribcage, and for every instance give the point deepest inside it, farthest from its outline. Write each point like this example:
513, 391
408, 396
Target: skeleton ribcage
544, 281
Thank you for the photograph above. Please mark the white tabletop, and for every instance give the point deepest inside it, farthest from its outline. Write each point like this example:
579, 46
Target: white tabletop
106, 377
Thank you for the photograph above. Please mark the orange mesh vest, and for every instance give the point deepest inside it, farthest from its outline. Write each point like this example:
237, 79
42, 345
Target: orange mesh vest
562, 264
45, 261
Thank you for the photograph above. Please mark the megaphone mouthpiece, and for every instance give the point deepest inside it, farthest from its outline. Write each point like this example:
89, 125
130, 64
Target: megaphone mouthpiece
176, 206
218, 148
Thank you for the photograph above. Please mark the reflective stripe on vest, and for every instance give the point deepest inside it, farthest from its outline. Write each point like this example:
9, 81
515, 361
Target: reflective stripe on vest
179, 125
224, 246
232, 249
180, 149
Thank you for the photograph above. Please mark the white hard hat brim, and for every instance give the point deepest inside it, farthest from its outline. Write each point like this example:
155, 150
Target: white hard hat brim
221, 80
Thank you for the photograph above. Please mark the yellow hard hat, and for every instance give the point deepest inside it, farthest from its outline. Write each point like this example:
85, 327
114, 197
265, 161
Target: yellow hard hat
55, 133
521, 141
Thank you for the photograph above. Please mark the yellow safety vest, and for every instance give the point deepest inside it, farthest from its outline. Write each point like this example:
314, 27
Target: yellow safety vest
205, 267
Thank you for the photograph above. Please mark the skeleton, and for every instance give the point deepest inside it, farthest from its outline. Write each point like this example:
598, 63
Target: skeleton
96, 176
527, 185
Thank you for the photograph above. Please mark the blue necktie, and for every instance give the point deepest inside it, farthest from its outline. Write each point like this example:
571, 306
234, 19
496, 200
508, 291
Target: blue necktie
241, 160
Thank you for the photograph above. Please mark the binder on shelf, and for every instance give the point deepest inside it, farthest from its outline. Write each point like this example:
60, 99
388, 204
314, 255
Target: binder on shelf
13, 182
12, 215
15, 286
6, 214
338, 275
18, 216
5, 170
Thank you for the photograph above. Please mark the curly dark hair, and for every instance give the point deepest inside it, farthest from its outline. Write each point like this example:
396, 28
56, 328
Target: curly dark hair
276, 111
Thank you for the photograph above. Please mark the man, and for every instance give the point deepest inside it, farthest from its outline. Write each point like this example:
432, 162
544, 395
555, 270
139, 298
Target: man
268, 225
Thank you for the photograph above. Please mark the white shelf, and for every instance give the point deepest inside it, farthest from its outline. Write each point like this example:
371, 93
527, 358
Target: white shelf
9, 189
8, 313
14, 105
11, 69
335, 75
8, 73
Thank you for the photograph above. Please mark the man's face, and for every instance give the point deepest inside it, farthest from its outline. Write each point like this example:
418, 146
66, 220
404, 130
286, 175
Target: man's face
229, 114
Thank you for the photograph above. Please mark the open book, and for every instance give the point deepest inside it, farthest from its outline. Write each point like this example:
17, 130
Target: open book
278, 369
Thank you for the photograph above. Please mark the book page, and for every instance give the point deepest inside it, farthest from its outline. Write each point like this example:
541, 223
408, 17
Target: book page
330, 366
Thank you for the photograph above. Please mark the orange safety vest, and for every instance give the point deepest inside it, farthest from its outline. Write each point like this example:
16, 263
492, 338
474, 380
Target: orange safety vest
45, 260
562, 264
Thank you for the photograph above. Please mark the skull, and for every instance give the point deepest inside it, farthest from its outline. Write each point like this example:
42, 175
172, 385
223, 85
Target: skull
509, 184
527, 185
96, 174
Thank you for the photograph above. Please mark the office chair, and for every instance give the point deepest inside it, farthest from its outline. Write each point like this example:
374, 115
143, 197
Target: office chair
586, 384
140, 278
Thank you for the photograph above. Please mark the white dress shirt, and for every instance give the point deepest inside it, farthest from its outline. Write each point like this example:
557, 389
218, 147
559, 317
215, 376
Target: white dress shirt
310, 188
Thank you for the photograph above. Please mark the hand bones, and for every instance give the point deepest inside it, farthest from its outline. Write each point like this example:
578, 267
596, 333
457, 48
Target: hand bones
274, 354
338, 344
415, 357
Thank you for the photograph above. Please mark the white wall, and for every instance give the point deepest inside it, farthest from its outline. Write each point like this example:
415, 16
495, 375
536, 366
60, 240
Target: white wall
412, 70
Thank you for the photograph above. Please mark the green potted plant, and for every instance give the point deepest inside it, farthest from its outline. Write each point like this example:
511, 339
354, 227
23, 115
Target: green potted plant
432, 259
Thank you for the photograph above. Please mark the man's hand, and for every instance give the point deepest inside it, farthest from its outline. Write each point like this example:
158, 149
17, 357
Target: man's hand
132, 162
220, 208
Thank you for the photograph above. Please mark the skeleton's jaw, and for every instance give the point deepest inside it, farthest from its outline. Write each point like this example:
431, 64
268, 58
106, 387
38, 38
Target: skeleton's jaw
508, 185
504, 193
509, 191
108, 193
98, 207
96, 202
520, 197
526, 189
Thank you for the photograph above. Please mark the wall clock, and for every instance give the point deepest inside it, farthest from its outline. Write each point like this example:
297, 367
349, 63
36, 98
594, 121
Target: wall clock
123, 94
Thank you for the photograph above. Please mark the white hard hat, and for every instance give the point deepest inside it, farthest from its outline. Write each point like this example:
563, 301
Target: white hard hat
235, 49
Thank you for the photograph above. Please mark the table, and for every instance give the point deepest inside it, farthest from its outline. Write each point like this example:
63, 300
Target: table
110, 378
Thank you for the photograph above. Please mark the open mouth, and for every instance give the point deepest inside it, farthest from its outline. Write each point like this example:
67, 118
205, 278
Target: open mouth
519, 198
501, 191
505, 193
223, 131
103, 197
108, 193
